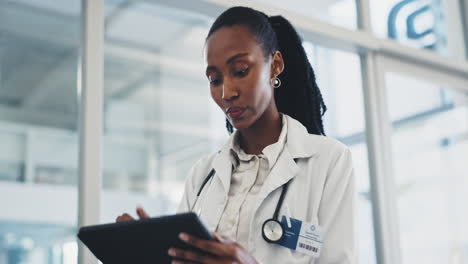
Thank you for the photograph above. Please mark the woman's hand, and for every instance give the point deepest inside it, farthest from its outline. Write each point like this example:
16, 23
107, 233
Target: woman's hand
214, 252
126, 217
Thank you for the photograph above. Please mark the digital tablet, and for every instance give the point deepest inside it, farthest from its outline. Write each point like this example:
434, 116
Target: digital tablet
141, 241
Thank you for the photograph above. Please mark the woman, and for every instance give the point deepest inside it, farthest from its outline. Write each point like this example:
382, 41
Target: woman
277, 165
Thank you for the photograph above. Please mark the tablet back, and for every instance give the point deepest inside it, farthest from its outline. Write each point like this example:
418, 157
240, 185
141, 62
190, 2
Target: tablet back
143, 241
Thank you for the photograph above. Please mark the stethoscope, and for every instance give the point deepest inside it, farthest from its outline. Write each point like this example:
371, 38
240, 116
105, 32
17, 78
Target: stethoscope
272, 229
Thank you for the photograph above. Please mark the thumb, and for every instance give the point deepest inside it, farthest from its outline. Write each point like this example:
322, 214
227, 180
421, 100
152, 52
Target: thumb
141, 213
221, 239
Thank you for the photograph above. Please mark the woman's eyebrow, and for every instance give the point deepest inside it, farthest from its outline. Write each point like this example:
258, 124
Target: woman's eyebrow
232, 58
235, 57
210, 68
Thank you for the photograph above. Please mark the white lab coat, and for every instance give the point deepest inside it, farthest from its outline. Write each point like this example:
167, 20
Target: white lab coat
321, 192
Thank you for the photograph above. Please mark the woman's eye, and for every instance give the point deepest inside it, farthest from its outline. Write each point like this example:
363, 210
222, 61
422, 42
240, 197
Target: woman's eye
215, 82
242, 72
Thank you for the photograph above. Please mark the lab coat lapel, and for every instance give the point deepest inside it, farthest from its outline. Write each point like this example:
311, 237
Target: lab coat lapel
284, 170
298, 145
223, 167
216, 196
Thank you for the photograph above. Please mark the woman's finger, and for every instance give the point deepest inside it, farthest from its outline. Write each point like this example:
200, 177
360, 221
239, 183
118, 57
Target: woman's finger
218, 237
124, 217
142, 213
215, 248
222, 239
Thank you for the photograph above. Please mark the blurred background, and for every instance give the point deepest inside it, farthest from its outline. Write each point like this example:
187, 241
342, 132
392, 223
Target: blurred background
393, 74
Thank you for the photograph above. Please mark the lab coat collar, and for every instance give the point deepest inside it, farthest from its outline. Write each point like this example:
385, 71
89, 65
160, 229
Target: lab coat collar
299, 144
270, 152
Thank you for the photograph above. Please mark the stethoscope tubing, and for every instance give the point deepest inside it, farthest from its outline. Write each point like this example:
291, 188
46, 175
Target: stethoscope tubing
275, 214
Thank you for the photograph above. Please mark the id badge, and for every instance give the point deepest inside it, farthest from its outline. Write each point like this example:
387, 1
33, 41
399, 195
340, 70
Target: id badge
302, 237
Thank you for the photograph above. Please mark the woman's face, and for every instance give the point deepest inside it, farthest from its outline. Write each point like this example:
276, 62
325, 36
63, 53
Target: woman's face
240, 75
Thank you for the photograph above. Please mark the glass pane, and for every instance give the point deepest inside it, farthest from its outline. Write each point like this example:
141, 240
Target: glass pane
338, 12
430, 146
424, 24
152, 78
339, 78
38, 131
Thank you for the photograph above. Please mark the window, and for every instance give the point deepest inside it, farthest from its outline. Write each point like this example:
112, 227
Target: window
159, 115
338, 75
430, 143
38, 130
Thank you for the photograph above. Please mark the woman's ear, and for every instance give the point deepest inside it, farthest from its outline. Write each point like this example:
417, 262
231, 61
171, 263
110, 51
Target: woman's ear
277, 64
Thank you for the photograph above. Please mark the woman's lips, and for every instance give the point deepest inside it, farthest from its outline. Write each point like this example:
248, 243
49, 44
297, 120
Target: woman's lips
235, 112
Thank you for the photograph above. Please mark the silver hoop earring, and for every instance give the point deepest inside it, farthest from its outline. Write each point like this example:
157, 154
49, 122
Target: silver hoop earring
276, 82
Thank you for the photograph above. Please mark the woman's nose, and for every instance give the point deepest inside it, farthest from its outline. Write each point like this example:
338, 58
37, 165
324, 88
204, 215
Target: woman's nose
229, 92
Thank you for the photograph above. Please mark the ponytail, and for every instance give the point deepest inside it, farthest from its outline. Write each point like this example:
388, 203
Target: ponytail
299, 96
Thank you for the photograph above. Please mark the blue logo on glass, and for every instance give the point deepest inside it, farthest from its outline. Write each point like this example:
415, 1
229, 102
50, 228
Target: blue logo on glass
312, 228
411, 20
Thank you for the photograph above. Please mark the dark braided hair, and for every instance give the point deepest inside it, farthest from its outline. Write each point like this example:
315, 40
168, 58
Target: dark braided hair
299, 95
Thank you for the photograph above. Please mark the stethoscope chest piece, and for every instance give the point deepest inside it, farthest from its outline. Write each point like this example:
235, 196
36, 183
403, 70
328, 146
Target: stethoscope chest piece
272, 230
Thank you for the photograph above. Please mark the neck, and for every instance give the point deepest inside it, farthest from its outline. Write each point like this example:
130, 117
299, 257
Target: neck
265, 131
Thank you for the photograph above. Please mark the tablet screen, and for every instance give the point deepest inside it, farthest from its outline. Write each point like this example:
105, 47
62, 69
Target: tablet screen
141, 241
